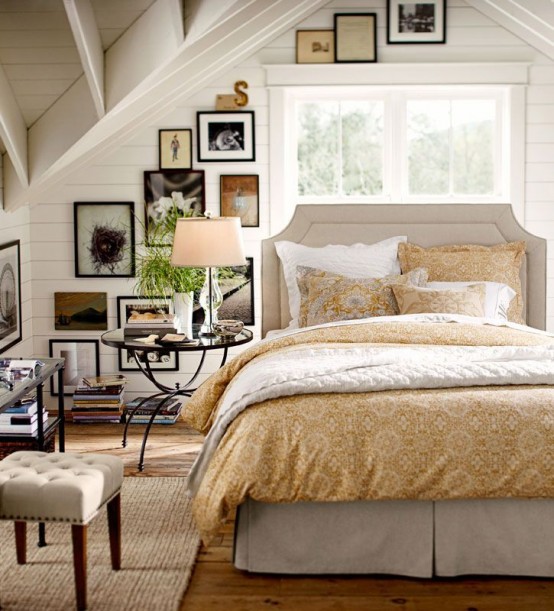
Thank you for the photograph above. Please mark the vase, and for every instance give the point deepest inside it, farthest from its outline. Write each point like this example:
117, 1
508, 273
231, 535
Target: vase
182, 308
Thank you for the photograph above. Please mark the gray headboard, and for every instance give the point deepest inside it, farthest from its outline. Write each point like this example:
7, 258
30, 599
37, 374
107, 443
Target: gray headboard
424, 224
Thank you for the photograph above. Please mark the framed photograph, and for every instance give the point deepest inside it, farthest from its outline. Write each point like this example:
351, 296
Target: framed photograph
315, 46
237, 287
175, 149
226, 136
80, 311
104, 239
355, 37
239, 196
10, 295
416, 22
166, 360
170, 192
82, 359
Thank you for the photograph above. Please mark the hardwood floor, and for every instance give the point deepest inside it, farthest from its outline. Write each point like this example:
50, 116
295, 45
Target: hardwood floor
217, 586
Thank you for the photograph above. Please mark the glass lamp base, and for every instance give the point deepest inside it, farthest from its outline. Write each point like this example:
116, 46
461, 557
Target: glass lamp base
210, 301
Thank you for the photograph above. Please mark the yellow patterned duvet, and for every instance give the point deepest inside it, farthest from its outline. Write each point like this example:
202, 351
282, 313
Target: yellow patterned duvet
430, 443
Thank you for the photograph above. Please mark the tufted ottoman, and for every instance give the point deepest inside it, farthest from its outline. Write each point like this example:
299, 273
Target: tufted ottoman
60, 487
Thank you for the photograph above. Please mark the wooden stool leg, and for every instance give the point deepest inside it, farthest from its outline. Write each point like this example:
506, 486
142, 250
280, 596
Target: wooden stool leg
114, 526
21, 542
79, 536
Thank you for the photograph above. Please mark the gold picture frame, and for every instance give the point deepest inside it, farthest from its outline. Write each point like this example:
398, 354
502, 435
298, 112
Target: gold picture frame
355, 37
315, 46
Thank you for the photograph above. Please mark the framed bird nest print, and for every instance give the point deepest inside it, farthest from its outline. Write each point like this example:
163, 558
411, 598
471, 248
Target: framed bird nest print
226, 136
104, 239
10, 295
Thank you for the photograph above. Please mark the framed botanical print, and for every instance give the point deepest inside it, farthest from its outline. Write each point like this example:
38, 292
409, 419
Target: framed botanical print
10, 295
82, 360
416, 22
226, 136
175, 149
239, 196
104, 239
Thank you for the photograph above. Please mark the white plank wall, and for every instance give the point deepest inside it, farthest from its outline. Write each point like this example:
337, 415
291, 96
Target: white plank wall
119, 175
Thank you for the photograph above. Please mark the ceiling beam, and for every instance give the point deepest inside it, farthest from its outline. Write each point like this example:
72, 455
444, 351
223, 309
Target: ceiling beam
89, 45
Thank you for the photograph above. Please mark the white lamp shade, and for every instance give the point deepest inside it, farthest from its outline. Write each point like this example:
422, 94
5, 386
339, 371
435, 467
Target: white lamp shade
204, 242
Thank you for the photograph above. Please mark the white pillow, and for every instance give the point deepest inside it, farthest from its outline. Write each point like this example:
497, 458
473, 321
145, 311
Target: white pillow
497, 296
356, 261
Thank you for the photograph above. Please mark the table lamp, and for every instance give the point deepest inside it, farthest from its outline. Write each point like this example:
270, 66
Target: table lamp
210, 243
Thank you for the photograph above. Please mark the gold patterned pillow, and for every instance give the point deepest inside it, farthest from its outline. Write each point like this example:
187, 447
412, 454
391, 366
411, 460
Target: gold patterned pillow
417, 300
327, 297
469, 263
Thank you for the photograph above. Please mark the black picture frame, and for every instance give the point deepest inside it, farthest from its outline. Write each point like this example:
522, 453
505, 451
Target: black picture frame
175, 149
10, 295
82, 359
239, 297
189, 184
104, 237
422, 22
355, 38
226, 136
245, 186
159, 360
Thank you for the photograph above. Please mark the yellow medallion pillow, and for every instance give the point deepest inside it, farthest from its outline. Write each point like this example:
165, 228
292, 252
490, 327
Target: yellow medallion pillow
327, 297
470, 263
417, 300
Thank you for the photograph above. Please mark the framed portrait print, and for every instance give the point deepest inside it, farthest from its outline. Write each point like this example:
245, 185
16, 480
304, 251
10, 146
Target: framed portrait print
166, 360
10, 295
175, 149
239, 196
82, 359
104, 239
315, 46
226, 136
80, 311
355, 37
172, 192
416, 22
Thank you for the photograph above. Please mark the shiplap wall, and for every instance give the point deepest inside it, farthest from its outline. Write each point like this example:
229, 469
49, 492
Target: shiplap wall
119, 176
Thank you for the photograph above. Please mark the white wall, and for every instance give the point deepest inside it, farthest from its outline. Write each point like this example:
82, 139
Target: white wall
119, 176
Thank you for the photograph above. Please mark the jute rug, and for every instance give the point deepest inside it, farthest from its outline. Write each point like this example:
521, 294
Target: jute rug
159, 548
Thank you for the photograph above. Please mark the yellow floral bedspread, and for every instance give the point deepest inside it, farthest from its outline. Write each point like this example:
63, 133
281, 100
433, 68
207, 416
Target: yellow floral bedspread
401, 444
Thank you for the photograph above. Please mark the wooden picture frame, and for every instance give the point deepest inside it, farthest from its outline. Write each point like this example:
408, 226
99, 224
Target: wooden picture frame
104, 239
82, 359
226, 136
239, 195
10, 295
165, 360
81, 311
355, 37
175, 149
421, 22
315, 46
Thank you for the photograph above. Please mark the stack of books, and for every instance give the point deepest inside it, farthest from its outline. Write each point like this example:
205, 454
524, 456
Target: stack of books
21, 418
150, 323
169, 414
99, 399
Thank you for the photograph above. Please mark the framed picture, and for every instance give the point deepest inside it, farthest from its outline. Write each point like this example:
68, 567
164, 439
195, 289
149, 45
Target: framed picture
80, 311
315, 46
158, 359
104, 239
355, 37
237, 287
226, 136
82, 359
175, 149
416, 22
10, 295
173, 192
239, 196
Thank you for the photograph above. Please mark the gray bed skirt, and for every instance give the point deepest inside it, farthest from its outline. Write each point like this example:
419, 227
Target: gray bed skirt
411, 538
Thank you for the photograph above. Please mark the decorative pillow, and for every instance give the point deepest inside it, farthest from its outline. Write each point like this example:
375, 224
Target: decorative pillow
471, 263
327, 297
416, 300
356, 261
498, 296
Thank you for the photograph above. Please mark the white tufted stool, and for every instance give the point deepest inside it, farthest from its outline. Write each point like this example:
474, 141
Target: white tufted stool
60, 487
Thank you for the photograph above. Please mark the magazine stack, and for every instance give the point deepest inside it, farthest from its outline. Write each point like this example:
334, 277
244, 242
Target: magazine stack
99, 399
169, 414
150, 323
21, 418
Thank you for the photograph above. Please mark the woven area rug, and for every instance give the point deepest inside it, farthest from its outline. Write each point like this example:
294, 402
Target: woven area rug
159, 548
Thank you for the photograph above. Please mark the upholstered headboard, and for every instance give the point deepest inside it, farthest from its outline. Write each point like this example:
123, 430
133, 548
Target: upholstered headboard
424, 224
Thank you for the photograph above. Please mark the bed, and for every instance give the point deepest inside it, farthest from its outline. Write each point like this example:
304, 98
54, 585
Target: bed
507, 533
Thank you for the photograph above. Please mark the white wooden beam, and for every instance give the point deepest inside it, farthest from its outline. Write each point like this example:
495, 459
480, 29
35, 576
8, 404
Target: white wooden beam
89, 45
